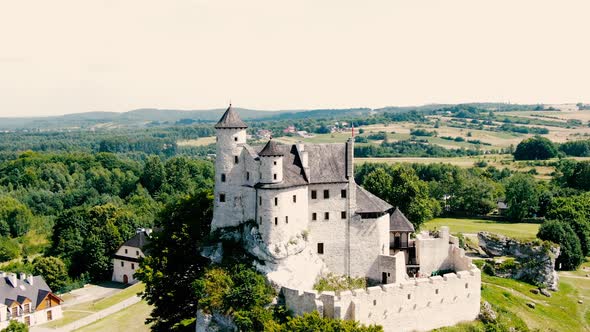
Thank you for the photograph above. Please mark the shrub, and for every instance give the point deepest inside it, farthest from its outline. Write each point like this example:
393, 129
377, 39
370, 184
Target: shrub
559, 232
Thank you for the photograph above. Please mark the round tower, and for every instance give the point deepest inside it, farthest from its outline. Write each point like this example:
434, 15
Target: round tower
271, 163
229, 169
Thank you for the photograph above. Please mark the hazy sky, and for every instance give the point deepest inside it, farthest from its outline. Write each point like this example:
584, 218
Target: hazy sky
61, 57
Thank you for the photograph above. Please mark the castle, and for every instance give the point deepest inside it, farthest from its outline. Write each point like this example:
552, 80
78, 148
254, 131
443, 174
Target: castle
306, 194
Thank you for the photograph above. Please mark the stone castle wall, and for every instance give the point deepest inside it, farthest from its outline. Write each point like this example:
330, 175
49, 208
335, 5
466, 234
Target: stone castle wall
291, 216
415, 305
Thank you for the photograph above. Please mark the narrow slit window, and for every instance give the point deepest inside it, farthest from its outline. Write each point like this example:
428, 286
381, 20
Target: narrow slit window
274, 176
248, 176
286, 219
327, 215
326, 193
276, 220
314, 194
276, 201
236, 159
294, 198
343, 214
223, 177
259, 200
320, 248
343, 193
314, 216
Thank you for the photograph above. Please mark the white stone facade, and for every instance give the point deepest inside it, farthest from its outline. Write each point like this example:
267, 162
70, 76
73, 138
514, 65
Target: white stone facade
125, 263
307, 191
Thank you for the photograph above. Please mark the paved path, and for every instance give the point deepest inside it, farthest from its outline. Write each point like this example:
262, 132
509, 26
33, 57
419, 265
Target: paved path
91, 318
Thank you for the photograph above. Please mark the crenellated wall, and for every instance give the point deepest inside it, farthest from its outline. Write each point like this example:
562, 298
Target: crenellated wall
415, 305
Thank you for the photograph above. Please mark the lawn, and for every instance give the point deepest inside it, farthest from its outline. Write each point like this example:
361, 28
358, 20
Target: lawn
560, 312
197, 142
131, 318
109, 301
523, 231
68, 317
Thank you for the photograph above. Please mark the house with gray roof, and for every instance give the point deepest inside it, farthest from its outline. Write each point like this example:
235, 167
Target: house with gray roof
27, 299
127, 257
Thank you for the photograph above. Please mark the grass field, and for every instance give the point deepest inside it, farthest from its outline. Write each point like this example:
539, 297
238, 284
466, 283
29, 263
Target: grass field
131, 319
197, 142
523, 231
560, 312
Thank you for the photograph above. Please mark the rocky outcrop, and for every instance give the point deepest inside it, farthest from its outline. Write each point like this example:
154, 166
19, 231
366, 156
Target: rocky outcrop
214, 323
533, 262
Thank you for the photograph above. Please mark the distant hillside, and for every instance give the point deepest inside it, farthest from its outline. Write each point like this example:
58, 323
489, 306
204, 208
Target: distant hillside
154, 117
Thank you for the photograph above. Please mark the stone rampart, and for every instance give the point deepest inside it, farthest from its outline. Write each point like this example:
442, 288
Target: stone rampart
414, 305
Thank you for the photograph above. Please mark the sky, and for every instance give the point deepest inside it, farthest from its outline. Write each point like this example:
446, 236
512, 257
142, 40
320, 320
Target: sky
59, 57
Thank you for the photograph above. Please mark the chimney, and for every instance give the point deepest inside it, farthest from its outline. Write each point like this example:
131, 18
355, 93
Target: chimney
12, 279
350, 158
22, 276
2, 274
30, 279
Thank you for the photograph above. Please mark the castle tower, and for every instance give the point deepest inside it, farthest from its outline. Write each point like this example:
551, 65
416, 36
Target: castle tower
229, 170
271, 163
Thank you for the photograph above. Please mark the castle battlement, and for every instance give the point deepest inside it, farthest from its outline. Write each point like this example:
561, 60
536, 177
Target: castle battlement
415, 304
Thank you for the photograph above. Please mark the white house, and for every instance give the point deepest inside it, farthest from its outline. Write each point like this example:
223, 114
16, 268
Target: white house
126, 259
27, 299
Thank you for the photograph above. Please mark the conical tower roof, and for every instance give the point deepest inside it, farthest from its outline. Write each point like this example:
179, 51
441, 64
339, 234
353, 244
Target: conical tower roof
271, 149
231, 120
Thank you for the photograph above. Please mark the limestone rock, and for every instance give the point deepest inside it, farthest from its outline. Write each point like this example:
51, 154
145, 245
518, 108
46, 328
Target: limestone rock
534, 262
214, 323
531, 305
580, 302
487, 313
214, 253
535, 291
545, 292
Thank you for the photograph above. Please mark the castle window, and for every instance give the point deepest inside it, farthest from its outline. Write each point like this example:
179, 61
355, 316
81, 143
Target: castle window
236, 159
274, 176
260, 221
136, 252
343, 193
132, 266
222, 177
259, 200
286, 219
374, 302
125, 250
409, 296
314, 194
320, 248
326, 193
436, 291
343, 214
294, 198
276, 220
327, 215
222, 198
248, 176
276, 201
275, 163
122, 264
314, 216
466, 285
235, 139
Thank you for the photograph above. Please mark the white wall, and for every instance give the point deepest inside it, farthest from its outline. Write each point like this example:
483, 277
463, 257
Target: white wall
128, 267
457, 300
283, 231
369, 238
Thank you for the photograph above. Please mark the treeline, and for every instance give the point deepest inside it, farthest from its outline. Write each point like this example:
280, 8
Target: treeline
411, 148
80, 207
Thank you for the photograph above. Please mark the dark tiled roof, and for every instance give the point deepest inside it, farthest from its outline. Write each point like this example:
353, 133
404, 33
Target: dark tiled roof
35, 292
271, 149
293, 174
399, 223
327, 162
139, 240
230, 119
369, 203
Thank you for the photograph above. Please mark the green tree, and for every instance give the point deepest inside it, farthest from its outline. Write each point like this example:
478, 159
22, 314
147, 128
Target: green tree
174, 262
313, 322
16, 215
53, 270
571, 255
522, 196
9, 248
153, 174
15, 326
535, 148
